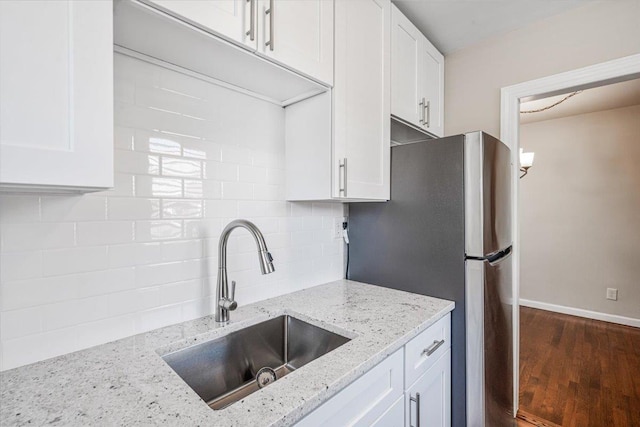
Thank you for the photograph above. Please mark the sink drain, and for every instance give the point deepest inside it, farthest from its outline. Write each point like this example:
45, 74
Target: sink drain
265, 376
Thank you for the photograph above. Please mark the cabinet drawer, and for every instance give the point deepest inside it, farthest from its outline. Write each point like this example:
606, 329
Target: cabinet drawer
423, 351
365, 401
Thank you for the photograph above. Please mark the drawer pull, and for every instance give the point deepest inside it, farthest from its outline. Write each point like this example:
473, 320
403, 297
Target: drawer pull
432, 348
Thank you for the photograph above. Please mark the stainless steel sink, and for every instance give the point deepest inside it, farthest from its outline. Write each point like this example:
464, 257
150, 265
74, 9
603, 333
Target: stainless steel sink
223, 371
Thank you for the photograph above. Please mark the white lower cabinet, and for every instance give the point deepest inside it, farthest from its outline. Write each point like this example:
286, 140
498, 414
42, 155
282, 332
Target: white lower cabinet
389, 396
366, 401
428, 400
393, 417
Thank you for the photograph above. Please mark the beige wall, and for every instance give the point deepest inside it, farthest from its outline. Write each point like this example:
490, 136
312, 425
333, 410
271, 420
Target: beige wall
587, 35
580, 211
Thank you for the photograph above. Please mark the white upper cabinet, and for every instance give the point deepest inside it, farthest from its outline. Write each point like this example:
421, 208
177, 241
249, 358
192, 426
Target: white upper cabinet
298, 34
432, 89
56, 107
338, 143
417, 73
362, 94
232, 19
406, 79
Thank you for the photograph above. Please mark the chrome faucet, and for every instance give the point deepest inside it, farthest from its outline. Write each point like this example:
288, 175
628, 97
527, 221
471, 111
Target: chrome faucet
225, 302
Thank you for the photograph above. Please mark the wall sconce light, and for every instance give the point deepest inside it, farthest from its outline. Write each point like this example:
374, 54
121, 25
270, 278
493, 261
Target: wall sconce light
526, 161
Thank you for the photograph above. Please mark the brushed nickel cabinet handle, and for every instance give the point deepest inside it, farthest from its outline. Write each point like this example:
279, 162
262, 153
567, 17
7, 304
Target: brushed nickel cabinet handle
342, 177
416, 400
252, 20
428, 119
421, 105
432, 348
270, 13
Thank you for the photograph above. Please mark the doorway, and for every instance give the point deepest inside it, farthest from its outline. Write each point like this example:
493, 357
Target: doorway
619, 70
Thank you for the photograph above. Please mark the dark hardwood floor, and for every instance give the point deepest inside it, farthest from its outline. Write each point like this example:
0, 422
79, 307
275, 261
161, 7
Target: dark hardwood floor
578, 372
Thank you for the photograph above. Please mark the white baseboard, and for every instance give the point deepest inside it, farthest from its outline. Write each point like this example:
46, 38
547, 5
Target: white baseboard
596, 315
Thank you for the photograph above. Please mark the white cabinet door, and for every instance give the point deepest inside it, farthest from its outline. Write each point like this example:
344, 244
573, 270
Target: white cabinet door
432, 88
394, 417
417, 70
367, 401
56, 86
361, 100
428, 401
232, 19
406, 77
299, 35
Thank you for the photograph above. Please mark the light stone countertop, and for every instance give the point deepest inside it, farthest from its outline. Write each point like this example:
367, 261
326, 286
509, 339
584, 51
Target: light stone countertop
126, 382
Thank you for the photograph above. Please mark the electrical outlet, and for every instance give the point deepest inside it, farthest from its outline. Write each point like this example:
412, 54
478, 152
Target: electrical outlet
612, 294
337, 228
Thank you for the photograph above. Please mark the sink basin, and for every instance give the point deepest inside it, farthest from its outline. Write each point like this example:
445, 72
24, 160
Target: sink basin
223, 371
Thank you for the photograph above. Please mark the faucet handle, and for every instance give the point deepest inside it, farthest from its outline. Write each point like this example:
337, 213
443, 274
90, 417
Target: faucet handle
233, 290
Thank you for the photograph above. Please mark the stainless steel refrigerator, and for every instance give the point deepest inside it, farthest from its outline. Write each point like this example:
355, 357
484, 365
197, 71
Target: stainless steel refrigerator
446, 232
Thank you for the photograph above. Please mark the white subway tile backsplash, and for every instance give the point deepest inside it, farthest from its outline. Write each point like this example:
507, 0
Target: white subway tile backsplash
252, 174
123, 185
155, 186
275, 176
123, 138
221, 171
18, 323
301, 209
72, 312
148, 231
101, 331
181, 292
136, 163
237, 155
158, 317
129, 208
182, 250
188, 168
20, 265
35, 292
87, 208
35, 347
133, 254
103, 282
37, 235
158, 274
104, 232
132, 301
19, 209
237, 191
74, 260
262, 208
220, 208
182, 208
268, 192
77, 271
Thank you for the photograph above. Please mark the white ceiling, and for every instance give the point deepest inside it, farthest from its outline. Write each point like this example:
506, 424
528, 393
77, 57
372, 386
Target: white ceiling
455, 24
601, 98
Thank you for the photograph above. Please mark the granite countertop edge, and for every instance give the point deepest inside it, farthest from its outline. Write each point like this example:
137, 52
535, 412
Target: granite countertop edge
127, 382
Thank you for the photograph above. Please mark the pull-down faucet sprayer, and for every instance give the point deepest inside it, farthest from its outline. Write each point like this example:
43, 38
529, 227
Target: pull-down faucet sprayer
224, 301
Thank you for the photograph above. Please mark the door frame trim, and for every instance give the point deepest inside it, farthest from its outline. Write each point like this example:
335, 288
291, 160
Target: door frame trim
614, 71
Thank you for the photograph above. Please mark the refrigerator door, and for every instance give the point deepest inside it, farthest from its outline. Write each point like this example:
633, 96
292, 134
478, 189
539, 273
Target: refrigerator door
487, 182
489, 343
